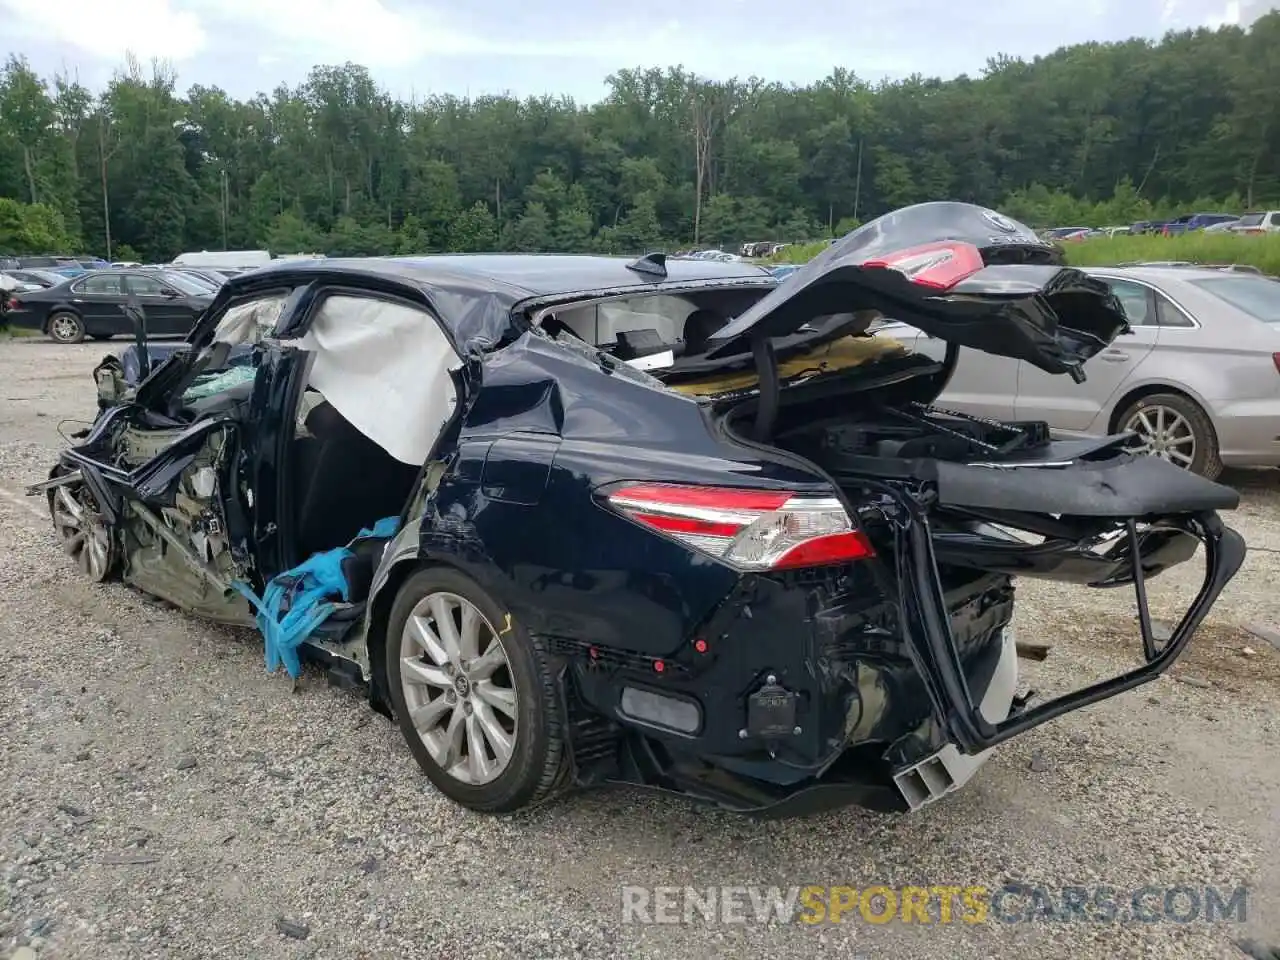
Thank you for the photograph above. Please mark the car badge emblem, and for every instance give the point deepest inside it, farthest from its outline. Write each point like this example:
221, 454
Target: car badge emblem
1000, 221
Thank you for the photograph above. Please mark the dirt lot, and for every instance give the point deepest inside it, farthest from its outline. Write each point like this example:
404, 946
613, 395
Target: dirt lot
163, 796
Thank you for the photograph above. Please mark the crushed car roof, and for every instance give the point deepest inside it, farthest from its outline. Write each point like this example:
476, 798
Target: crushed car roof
529, 274
474, 294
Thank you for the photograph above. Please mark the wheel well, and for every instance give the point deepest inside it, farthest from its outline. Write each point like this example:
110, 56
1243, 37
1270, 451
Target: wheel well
376, 636
1148, 390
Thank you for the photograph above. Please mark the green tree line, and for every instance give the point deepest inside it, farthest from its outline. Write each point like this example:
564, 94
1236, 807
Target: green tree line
1092, 134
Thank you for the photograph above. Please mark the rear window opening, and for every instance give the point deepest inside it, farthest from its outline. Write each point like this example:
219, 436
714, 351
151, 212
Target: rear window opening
637, 326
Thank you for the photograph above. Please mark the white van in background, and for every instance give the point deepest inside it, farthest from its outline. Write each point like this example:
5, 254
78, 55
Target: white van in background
228, 259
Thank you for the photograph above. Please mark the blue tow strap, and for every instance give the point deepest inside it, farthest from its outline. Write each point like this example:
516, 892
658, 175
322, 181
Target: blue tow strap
297, 601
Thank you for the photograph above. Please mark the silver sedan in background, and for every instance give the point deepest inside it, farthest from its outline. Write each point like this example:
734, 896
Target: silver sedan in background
1196, 380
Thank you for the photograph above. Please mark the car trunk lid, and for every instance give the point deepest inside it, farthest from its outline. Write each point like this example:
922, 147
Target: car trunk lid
960, 272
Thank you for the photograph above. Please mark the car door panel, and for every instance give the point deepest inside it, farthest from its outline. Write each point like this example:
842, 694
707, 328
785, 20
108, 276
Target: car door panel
98, 298
1078, 407
359, 349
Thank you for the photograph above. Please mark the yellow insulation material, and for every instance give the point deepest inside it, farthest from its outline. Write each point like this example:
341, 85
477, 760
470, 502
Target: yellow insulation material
838, 355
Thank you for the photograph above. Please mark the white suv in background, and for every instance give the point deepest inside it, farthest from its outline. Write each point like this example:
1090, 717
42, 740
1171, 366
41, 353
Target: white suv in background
1266, 221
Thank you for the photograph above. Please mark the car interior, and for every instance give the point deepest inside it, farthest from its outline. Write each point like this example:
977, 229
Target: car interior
632, 327
378, 392
342, 480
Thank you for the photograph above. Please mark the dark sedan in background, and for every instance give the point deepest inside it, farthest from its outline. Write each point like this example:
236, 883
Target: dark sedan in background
91, 305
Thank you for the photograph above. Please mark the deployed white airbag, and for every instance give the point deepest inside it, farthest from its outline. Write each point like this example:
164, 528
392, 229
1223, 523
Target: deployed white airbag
250, 321
385, 367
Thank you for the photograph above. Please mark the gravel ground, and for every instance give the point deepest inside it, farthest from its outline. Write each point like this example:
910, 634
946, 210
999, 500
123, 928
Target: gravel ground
164, 797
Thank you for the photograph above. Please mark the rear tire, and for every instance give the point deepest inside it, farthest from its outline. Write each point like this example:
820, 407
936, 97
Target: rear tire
493, 697
66, 327
1175, 428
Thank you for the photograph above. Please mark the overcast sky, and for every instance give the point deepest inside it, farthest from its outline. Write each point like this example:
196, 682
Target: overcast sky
569, 46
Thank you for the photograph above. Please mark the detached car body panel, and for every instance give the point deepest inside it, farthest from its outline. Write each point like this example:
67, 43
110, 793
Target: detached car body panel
770, 576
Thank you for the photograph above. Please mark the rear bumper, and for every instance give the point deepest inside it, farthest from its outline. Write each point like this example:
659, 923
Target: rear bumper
806, 687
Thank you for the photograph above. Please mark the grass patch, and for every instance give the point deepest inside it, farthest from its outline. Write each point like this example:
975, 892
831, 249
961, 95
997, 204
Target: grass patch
798, 253
1262, 251
17, 333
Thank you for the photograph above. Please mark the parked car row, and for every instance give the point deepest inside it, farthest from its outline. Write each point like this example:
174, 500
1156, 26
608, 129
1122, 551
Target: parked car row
62, 265
1266, 221
69, 306
715, 255
751, 250
763, 248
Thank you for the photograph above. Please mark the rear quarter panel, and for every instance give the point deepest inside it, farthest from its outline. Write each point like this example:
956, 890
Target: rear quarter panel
516, 511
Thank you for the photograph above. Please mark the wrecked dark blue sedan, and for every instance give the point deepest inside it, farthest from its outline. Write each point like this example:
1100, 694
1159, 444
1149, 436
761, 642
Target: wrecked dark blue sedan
574, 520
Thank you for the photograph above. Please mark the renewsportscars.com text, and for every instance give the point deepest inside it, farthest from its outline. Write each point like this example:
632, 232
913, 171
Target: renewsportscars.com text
935, 904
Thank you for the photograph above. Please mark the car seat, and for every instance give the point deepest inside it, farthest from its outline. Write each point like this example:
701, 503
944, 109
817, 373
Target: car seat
342, 481
698, 328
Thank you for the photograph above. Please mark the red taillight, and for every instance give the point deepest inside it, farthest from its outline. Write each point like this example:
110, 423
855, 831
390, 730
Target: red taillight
747, 529
1275, 358
714, 497
13, 304
688, 525
940, 265
829, 548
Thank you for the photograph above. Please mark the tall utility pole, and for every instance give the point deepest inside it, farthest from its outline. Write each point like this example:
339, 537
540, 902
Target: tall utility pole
497, 199
701, 115
226, 196
857, 183
103, 156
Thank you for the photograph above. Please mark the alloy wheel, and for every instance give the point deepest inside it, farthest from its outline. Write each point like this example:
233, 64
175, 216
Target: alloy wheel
458, 688
81, 528
64, 328
1165, 433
